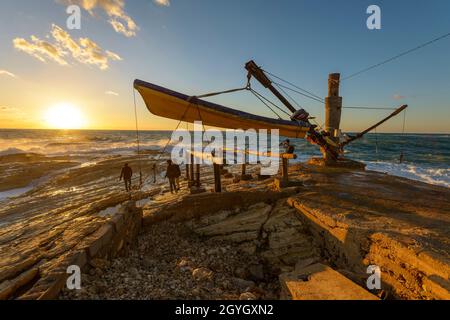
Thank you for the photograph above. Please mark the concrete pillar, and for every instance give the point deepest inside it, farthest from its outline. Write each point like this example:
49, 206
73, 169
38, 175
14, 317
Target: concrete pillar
333, 109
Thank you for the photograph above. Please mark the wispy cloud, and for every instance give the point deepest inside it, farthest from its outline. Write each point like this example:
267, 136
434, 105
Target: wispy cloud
398, 97
112, 93
114, 9
10, 112
6, 109
7, 73
63, 47
164, 3
41, 50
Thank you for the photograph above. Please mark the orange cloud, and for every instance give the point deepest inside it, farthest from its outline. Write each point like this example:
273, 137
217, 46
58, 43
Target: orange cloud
41, 50
114, 9
164, 3
84, 50
398, 97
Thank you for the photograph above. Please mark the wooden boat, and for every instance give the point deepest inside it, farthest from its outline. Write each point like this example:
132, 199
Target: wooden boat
170, 104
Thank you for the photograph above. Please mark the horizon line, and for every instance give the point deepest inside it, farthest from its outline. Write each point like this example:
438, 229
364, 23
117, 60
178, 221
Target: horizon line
168, 130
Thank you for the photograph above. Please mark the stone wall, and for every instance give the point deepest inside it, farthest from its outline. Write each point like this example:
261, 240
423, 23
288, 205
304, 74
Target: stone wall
113, 238
406, 274
197, 205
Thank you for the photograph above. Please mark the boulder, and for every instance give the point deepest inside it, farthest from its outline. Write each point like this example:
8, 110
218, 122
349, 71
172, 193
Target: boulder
202, 274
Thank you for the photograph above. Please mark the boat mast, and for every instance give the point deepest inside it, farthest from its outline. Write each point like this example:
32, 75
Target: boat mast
316, 137
361, 134
259, 75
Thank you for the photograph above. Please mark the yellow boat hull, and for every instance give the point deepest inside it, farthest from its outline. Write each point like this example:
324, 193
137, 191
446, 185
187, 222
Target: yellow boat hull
177, 106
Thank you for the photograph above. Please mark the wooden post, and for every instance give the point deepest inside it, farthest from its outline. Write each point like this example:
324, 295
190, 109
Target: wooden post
333, 110
217, 178
187, 172
244, 164
284, 181
285, 167
244, 169
192, 168
197, 178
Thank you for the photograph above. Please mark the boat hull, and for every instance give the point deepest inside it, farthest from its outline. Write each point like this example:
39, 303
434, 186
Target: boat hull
170, 104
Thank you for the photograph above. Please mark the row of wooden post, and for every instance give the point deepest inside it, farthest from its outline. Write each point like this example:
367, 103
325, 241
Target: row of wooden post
193, 172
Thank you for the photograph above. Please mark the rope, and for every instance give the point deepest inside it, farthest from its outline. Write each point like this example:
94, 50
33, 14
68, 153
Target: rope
287, 94
376, 144
396, 56
404, 121
369, 108
143, 181
403, 137
295, 86
170, 139
137, 138
222, 92
301, 93
299, 106
261, 98
201, 119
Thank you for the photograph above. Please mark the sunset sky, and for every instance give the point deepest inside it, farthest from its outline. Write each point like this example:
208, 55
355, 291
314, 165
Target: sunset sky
200, 46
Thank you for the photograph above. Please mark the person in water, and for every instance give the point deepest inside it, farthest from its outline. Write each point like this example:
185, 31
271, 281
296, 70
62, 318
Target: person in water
288, 148
126, 175
172, 173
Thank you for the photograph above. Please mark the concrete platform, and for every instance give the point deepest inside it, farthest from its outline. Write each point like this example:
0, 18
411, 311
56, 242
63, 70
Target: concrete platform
320, 282
362, 218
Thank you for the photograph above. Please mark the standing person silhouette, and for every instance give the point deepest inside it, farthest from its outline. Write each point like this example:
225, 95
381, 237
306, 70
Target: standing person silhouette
172, 174
126, 174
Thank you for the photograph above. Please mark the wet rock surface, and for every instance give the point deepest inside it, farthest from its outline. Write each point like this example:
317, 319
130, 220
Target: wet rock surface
343, 219
41, 226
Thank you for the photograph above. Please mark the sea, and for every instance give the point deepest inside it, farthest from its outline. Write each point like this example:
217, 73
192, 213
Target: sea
426, 157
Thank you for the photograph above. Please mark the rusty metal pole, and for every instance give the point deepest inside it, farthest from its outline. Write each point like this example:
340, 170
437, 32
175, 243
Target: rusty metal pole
333, 110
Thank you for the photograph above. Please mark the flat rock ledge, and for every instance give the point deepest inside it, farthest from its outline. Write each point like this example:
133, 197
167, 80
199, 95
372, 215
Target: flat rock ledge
45, 280
256, 242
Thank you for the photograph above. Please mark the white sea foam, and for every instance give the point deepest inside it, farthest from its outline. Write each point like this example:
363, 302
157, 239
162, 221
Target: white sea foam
436, 176
126, 147
430, 166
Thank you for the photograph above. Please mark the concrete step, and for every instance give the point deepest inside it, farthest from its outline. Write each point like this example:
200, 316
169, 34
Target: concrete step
320, 282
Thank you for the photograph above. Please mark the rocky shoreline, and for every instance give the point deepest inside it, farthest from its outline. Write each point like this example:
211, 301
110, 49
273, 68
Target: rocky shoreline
239, 244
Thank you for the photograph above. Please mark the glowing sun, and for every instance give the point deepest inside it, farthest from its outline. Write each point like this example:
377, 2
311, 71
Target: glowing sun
64, 116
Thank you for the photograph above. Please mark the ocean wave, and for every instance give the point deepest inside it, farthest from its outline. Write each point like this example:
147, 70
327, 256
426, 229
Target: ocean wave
436, 176
63, 144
